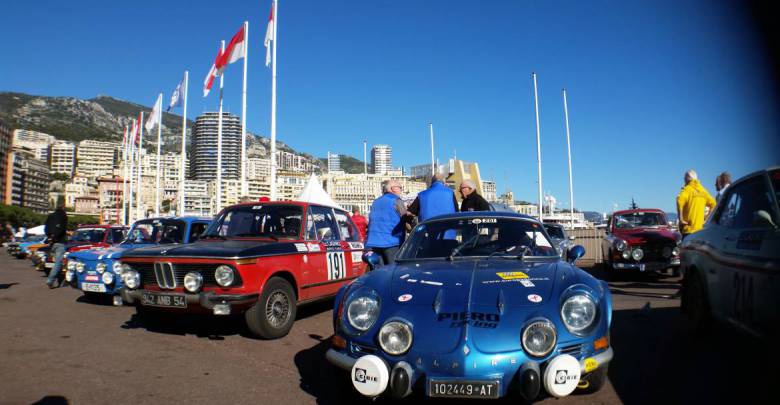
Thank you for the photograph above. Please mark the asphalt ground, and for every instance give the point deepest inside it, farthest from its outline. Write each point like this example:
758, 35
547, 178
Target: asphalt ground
57, 348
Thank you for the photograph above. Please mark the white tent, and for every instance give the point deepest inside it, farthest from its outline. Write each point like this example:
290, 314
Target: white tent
38, 230
314, 193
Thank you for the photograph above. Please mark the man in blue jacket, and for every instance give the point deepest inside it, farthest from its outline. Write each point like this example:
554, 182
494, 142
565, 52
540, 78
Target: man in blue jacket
385, 229
438, 199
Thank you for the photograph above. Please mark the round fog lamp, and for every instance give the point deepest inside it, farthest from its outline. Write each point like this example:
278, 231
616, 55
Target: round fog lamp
131, 278
395, 338
117, 268
675, 251
638, 254
193, 281
101, 268
69, 276
107, 278
71, 266
224, 275
80, 267
620, 245
539, 338
626, 254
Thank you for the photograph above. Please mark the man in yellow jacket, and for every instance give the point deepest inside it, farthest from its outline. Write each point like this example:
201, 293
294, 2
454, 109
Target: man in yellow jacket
691, 203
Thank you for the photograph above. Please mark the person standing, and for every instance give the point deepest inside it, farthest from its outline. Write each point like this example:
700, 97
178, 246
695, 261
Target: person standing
721, 183
385, 228
471, 200
56, 231
360, 222
438, 199
692, 201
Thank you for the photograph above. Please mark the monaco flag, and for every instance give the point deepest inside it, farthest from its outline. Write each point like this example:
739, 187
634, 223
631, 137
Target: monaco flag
269, 35
235, 50
212, 73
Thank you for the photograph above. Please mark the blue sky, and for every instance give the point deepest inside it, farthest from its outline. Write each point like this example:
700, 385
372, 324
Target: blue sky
654, 87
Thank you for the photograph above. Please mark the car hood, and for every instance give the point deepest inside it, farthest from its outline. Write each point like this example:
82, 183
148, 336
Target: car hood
217, 249
646, 235
112, 252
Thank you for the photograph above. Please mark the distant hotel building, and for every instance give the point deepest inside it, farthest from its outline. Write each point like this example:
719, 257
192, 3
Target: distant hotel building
95, 158
292, 162
62, 158
381, 159
27, 181
203, 154
38, 142
489, 190
334, 162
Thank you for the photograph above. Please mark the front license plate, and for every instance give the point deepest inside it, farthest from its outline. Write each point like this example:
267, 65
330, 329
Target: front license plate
164, 300
93, 287
463, 389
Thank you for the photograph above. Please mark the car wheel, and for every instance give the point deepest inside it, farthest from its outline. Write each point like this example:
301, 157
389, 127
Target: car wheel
274, 313
594, 381
697, 307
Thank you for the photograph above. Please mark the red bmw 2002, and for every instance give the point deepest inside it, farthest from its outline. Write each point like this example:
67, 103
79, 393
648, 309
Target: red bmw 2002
260, 259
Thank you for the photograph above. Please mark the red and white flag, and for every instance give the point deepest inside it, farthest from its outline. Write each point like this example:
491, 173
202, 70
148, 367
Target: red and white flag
212, 74
136, 129
269, 35
235, 50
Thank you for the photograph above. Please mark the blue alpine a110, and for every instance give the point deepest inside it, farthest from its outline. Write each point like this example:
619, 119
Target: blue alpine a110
477, 305
98, 272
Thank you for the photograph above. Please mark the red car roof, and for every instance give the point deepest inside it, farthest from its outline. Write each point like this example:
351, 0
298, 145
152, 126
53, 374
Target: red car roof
639, 210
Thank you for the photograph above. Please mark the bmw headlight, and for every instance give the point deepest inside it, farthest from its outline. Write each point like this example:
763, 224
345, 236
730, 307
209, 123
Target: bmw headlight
395, 338
193, 281
638, 254
80, 267
101, 268
224, 275
578, 313
107, 278
71, 266
626, 254
131, 278
117, 268
620, 245
362, 312
539, 338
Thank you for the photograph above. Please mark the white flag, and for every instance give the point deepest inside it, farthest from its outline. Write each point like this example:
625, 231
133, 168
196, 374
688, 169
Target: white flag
269, 36
155, 114
176, 96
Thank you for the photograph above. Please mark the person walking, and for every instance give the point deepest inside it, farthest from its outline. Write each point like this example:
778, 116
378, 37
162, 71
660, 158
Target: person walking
692, 202
360, 222
438, 199
471, 200
385, 228
721, 183
56, 232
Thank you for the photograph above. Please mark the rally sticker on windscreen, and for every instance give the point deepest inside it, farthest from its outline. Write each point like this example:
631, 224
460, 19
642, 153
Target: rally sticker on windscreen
478, 221
539, 239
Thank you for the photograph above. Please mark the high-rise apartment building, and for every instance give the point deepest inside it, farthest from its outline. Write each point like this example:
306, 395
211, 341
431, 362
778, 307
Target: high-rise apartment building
489, 190
292, 162
334, 162
381, 158
62, 158
6, 140
37, 142
203, 153
95, 158
28, 182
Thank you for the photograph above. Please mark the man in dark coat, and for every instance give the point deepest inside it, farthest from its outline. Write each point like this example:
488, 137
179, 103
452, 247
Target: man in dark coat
55, 229
471, 200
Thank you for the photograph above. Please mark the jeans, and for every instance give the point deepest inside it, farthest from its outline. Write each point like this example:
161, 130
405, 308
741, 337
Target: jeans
58, 250
387, 254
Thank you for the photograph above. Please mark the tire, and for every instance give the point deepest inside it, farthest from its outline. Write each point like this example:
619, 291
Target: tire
595, 380
274, 313
697, 307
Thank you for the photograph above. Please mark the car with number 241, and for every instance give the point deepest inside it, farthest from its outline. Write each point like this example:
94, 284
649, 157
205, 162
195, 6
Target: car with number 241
98, 273
476, 305
260, 259
731, 268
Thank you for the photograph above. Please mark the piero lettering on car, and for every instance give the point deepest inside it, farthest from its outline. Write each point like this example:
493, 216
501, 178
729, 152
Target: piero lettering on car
494, 303
258, 260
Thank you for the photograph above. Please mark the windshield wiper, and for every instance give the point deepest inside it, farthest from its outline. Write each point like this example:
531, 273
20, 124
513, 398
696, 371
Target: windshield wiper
460, 247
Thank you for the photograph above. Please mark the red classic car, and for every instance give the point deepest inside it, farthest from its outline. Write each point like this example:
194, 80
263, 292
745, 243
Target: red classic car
261, 259
640, 239
84, 237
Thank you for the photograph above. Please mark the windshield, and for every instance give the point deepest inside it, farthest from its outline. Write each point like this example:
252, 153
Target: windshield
157, 231
639, 220
775, 178
258, 221
92, 235
469, 237
555, 231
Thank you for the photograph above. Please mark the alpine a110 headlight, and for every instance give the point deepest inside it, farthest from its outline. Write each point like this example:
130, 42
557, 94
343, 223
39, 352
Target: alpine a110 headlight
362, 312
638, 254
100, 267
69, 276
117, 268
224, 275
131, 278
395, 338
620, 245
107, 278
80, 267
193, 281
71, 266
578, 312
539, 338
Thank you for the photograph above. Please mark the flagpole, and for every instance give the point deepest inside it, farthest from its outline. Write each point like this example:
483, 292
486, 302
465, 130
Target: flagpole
138, 208
243, 112
183, 144
124, 178
538, 144
273, 104
568, 146
159, 146
131, 173
433, 162
365, 176
219, 138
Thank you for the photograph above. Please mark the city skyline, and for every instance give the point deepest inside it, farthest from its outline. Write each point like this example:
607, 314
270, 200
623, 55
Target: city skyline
640, 77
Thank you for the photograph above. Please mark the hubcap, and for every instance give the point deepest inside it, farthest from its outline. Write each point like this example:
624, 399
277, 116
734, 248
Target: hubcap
277, 309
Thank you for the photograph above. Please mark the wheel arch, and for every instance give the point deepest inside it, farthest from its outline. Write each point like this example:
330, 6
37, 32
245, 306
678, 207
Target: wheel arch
289, 277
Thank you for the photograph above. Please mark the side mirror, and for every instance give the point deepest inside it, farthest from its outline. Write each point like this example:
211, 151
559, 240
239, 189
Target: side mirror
372, 260
575, 253
762, 218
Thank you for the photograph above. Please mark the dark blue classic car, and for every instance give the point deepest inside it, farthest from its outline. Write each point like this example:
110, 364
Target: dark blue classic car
477, 305
98, 272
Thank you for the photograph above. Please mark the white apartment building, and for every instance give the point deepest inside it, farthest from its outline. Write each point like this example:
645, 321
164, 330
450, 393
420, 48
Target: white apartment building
334, 162
360, 190
258, 168
95, 158
37, 142
289, 184
62, 158
291, 162
197, 200
489, 190
381, 158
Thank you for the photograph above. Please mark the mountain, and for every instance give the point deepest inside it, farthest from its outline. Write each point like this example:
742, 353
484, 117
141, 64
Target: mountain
103, 118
